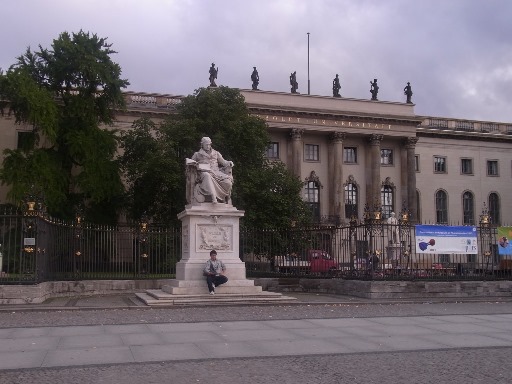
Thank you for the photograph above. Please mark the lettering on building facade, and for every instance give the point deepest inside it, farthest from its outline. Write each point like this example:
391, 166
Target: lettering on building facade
326, 122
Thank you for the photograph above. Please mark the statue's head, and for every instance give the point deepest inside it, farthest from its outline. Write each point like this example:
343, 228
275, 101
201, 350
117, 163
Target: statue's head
206, 143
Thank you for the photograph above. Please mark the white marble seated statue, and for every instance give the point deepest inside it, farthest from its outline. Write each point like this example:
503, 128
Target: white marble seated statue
209, 176
395, 233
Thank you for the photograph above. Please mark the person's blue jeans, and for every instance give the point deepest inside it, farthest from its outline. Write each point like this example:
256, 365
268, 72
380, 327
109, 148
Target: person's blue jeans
215, 279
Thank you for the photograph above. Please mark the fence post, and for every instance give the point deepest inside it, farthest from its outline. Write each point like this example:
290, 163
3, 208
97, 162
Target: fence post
373, 222
32, 210
352, 241
77, 239
486, 239
143, 244
404, 231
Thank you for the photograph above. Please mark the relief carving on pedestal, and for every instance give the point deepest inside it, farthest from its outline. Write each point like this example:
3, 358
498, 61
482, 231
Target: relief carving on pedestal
218, 237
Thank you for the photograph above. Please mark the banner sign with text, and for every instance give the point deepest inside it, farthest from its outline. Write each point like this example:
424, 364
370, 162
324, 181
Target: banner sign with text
504, 236
446, 239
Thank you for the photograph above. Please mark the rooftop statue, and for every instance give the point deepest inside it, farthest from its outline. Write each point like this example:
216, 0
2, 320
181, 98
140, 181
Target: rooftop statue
336, 87
213, 75
374, 89
293, 82
255, 77
408, 93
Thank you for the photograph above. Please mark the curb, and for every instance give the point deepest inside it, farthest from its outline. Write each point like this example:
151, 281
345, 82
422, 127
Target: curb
343, 302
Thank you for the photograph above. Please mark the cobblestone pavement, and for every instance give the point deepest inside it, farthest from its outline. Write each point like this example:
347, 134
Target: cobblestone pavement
466, 365
38, 316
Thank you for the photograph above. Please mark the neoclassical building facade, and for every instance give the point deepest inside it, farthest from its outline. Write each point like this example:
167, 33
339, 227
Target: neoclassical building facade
353, 152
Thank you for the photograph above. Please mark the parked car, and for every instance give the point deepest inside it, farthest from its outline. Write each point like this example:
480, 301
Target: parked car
291, 264
321, 262
313, 261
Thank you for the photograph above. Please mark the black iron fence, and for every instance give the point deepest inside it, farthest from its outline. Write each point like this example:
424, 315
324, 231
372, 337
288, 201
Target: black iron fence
36, 248
368, 250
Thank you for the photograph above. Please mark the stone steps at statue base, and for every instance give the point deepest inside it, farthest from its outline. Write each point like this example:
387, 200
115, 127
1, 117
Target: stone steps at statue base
157, 297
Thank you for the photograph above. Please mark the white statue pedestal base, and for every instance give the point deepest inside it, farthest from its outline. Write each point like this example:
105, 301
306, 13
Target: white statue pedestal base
205, 227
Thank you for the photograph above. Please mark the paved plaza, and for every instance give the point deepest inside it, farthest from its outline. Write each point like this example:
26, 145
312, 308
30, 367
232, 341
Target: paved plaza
321, 339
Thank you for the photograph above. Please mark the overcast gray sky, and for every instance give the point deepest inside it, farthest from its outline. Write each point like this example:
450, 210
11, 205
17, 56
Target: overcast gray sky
456, 53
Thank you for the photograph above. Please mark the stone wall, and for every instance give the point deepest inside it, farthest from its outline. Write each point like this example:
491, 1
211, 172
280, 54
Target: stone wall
391, 289
34, 294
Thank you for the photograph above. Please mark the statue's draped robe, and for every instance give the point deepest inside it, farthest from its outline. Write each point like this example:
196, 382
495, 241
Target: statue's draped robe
213, 182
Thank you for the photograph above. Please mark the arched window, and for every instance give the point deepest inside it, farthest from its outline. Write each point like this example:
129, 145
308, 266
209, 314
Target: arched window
312, 187
441, 207
386, 200
494, 208
312, 197
351, 199
468, 208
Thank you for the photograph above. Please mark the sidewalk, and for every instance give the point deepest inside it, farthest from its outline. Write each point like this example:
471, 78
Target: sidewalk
64, 346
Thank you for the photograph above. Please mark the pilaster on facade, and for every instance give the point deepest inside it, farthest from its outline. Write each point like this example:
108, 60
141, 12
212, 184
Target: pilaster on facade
411, 198
338, 137
336, 191
375, 139
296, 139
373, 169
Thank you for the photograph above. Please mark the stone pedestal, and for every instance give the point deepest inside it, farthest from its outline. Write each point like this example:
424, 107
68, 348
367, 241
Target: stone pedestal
205, 227
393, 254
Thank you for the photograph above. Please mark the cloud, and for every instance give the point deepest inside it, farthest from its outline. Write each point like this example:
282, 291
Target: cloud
455, 53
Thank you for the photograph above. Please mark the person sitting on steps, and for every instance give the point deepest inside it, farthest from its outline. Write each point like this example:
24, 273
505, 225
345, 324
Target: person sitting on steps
214, 271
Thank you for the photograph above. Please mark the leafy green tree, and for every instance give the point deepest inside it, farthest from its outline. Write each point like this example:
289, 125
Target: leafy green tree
154, 158
271, 197
66, 96
153, 173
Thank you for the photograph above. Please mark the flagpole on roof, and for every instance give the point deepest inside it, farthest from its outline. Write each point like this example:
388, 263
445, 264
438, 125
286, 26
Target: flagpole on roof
309, 84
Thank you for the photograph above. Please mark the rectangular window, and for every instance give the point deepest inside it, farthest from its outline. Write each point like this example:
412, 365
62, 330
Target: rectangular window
439, 164
417, 163
492, 168
272, 151
350, 155
386, 157
25, 140
466, 166
312, 152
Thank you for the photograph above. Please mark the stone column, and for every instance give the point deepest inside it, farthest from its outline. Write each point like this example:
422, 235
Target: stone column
373, 170
403, 176
336, 191
412, 202
296, 137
